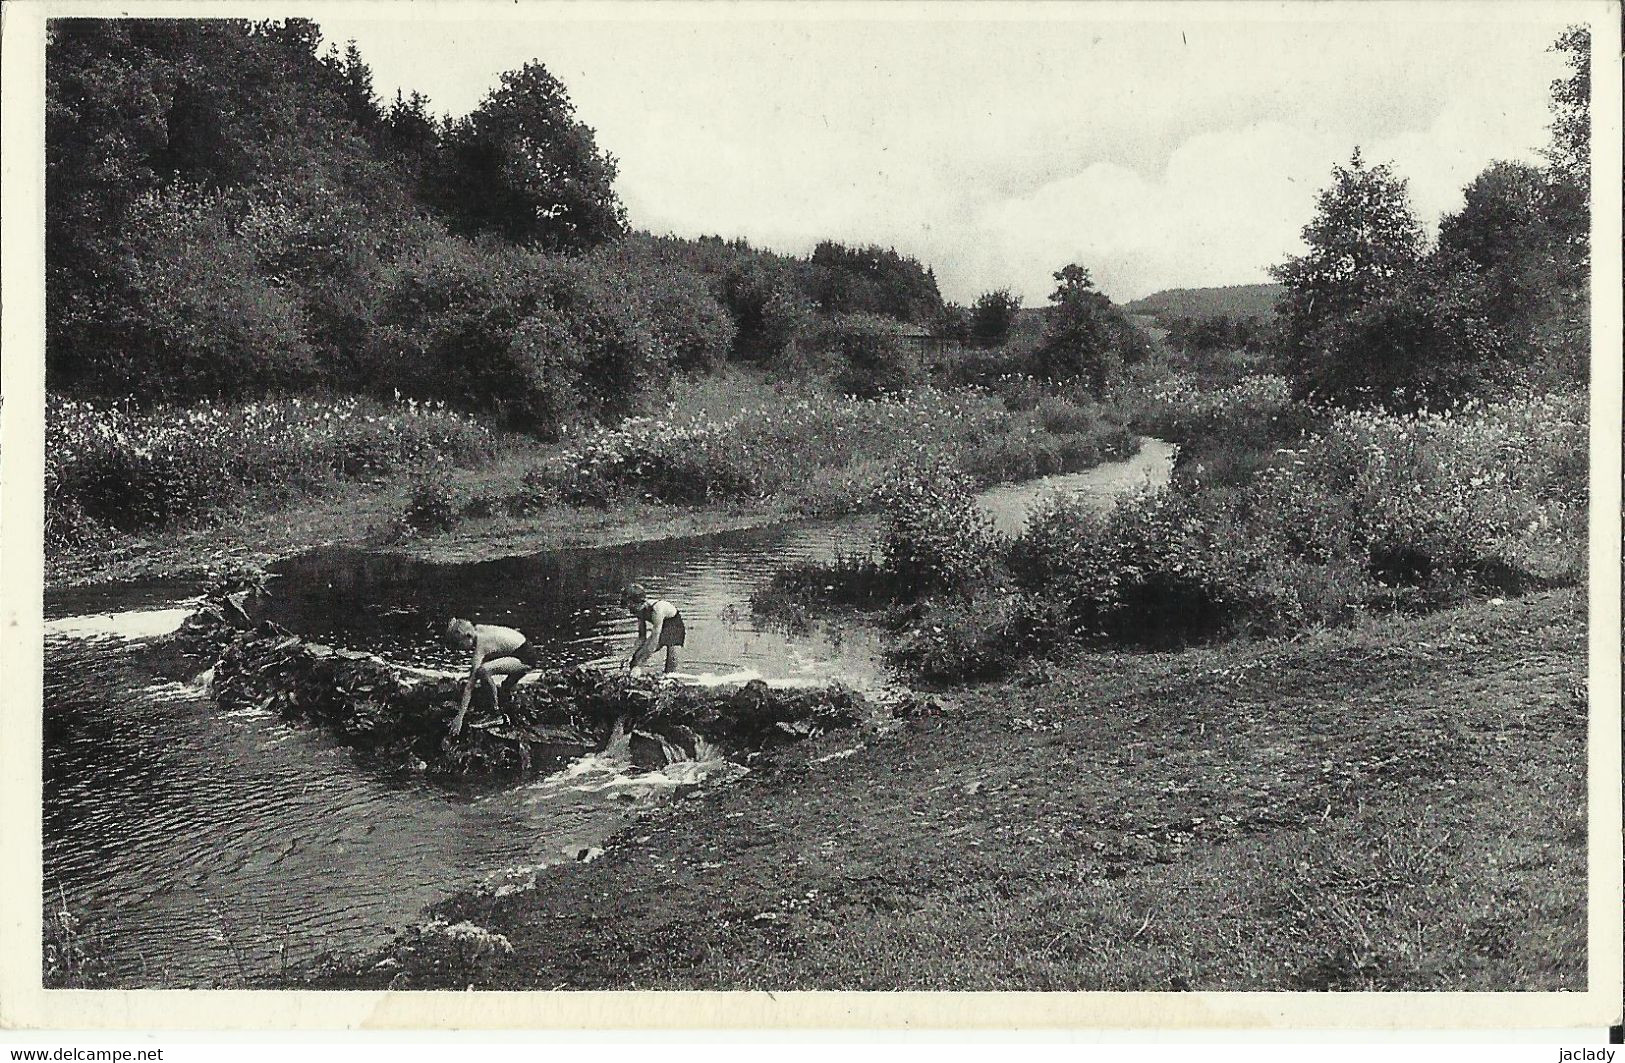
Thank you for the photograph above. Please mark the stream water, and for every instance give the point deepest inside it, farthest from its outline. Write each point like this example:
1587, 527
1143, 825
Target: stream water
204, 848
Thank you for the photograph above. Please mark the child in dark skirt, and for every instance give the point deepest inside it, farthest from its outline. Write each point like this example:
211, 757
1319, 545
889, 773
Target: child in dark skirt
660, 626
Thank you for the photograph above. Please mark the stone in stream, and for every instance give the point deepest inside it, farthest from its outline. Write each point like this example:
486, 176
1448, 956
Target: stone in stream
399, 716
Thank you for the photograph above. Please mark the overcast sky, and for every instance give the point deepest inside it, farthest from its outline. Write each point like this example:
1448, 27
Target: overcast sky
1158, 146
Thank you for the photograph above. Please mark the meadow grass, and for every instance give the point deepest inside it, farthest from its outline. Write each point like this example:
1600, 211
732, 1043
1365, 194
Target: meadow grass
808, 451
113, 469
1396, 805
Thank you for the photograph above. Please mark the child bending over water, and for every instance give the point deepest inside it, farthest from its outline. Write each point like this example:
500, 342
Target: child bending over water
660, 626
497, 651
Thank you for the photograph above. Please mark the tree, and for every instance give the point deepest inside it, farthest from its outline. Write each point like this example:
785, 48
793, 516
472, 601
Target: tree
953, 324
522, 166
354, 84
992, 316
1569, 154
1425, 342
143, 108
1085, 335
1503, 231
1362, 239
1568, 200
874, 280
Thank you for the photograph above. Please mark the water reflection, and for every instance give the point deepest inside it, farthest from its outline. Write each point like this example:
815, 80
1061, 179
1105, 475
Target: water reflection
566, 602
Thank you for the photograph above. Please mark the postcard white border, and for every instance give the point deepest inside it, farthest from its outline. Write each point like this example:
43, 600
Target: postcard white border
23, 1004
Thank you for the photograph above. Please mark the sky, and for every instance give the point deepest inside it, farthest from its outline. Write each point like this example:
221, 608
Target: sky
1158, 146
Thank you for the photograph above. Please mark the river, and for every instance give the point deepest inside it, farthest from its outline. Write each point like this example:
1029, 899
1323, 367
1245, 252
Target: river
206, 849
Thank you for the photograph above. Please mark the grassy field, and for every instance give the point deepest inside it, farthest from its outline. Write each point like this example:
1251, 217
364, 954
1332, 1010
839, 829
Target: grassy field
1398, 804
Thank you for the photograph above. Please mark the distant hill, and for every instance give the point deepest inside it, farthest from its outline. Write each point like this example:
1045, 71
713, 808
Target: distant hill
1236, 300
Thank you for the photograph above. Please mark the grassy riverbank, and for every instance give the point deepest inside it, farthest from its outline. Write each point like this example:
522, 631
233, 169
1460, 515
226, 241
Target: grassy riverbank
176, 492
1395, 805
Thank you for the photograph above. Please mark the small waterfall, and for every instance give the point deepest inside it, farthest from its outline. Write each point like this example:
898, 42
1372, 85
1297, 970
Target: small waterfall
670, 750
619, 745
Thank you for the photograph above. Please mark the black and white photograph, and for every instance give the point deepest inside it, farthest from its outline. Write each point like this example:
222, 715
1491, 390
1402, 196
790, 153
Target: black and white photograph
877, 498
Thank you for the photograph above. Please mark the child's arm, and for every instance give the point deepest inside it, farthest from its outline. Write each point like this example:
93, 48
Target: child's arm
652, 643
468, 684
638, 654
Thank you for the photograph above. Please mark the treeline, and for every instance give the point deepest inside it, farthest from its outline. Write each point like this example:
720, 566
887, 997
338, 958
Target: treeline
1498, 305
1221, 332
232, 212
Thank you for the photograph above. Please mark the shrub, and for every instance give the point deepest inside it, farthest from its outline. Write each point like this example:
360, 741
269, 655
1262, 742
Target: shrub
586, 346
821, 455
874, 359
431, 508
1378, 510
1485, 495
978, 634
1145, 572
849, 580
1063, 416
936, 536
691, 327
446, 317
693, 330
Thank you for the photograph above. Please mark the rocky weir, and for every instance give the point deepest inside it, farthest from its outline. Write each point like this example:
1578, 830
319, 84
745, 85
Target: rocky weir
397, 717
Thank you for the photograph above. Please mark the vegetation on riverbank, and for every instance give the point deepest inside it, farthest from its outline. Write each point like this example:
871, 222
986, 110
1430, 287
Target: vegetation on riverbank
806, 452
1365, 512
729, 450
111, 469
1396, 805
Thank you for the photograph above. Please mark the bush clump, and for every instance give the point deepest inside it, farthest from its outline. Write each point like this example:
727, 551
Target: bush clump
980, 633
431, 508
1377, 510
936, 535
873, 359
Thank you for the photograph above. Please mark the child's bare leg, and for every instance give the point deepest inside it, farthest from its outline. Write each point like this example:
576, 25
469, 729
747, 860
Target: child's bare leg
671, 659
509, 684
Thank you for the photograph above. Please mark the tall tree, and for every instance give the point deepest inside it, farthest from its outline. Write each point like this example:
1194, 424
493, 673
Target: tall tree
1503, 231
1568, 200
523, 166
1569, 153
1363, 238
992, 316
875, 279
1085, 335
354, 84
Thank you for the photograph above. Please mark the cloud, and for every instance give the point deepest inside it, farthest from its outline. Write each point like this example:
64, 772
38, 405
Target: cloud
1185, 151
